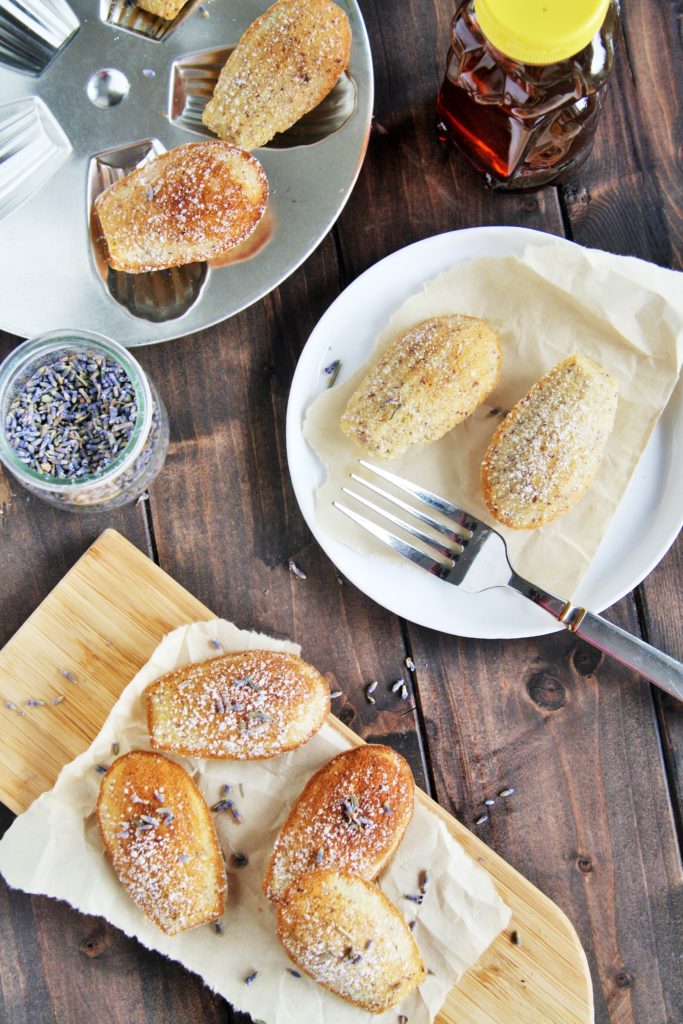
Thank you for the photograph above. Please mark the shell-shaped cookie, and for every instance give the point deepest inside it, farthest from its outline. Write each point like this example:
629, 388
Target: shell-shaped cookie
190, 204
351, 815
161, 840
346, 934
245, 706
547, 450
284, 65
426, 382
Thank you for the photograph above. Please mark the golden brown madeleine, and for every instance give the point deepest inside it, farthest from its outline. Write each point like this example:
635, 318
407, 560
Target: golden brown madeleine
161, 840
167, 9
425, 383
346, 934
284, 65
245, 706
190, 204
546, 451
351, 815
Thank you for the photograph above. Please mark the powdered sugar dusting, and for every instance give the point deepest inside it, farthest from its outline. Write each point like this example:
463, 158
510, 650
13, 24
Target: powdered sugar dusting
546, 452
284, 65
351, 815
345, 934
429, 380
249, 705
190, 204
164, 853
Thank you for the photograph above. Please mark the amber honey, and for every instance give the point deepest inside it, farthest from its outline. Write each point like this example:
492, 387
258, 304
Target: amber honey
523, 125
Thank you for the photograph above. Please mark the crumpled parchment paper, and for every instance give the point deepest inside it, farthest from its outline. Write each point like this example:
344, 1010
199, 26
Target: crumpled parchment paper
54, 849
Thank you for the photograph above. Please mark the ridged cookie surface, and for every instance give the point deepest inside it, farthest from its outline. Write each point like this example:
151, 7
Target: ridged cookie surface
351, 815
246, 706
161, 840
346, 934
284, 65
190, 204
546, 451
424, 384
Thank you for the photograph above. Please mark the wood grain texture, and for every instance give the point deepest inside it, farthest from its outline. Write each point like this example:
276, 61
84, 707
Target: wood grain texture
227, 471
110, 611
39, 543
628, 197
225, 524
575, 736
658, 599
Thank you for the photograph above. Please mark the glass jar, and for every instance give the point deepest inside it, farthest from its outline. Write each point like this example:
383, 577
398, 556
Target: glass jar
133, 467
523, 87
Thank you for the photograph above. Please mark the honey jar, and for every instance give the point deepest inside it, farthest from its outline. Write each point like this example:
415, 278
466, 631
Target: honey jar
524, 85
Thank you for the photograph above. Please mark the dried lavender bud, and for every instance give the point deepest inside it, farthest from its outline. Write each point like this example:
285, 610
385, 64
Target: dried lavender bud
222, 805
72, 417
296, 571
332, 372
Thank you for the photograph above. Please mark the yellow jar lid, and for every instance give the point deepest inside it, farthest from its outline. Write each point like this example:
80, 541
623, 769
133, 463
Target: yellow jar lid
540, 31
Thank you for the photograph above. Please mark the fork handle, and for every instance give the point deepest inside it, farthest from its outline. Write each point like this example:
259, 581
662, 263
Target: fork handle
661, 669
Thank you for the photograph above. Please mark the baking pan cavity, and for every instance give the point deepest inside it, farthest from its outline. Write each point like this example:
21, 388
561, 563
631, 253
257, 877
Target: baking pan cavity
92, 88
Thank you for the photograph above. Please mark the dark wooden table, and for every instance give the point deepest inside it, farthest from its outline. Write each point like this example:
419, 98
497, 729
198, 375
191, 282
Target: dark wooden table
594, 754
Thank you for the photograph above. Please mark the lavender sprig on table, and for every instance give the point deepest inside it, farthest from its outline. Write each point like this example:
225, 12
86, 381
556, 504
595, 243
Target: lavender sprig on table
72, 416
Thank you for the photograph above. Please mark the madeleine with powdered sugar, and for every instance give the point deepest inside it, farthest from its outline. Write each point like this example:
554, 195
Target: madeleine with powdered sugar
548, 448
245, 706
344, 932
286, 62
351, 815
191, 204
160, 838
427, 381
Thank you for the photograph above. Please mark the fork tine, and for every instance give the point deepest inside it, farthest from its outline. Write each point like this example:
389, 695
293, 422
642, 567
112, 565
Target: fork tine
428, 497
432, 542
398, 545
412, 511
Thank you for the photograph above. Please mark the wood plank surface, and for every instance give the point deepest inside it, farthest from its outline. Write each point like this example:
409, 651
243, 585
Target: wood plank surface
592, 821
103, 620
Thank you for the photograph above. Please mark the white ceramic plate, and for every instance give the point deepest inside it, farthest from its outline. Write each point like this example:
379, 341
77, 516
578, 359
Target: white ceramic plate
644, 526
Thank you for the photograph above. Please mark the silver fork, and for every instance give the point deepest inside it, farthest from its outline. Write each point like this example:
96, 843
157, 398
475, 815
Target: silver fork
463, 550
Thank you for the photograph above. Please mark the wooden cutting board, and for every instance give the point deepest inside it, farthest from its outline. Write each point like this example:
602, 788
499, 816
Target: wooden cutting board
100, 624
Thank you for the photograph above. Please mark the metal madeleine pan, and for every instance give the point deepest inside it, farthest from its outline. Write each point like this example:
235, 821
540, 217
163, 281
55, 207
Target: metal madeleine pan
88, 92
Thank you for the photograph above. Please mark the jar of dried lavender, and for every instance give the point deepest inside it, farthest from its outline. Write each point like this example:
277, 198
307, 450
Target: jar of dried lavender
81, 425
